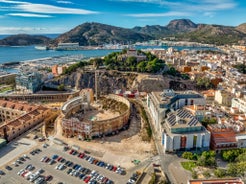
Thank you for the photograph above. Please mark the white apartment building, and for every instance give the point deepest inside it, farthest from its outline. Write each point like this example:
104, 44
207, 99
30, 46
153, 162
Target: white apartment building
239, 103
160, 103
184, 132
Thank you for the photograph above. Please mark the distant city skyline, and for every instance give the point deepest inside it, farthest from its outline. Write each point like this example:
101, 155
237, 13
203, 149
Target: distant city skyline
59, 16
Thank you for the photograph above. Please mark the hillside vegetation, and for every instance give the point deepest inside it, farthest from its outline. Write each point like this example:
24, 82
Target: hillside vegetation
97, 34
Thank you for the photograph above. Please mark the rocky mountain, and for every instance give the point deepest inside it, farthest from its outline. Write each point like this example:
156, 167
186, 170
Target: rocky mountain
98, 34
213, 34
111, 80
242, 28
181, 25
24, 39
155, 31
186, 30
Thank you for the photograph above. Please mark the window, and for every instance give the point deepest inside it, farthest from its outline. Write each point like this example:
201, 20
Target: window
192, 102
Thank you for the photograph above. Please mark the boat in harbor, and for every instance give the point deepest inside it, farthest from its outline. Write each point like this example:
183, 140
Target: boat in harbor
41, 47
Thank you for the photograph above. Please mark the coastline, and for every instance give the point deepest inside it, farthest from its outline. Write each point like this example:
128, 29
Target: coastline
19, 55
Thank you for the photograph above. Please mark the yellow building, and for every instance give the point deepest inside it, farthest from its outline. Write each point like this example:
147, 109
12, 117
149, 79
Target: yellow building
18, 118
223, 97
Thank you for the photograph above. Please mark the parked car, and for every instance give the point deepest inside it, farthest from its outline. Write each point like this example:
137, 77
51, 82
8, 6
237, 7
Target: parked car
48, 178
40, 171
54, 157
8, 167
2, 173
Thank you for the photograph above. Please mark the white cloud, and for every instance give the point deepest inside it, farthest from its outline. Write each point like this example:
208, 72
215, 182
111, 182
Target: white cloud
65, 2
29, 15
209, 14
140, 1
12, 2
45, 8
190, 5
30, 30
166, 14
160, 2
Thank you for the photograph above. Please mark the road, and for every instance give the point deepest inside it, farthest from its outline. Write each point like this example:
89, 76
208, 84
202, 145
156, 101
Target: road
165, 159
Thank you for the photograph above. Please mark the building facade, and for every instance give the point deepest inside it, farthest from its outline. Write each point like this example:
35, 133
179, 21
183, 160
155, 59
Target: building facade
182, 131
223, 97
241, 140
7, 78
28, 83
222, 137
160, 103
217, 181
89, 128
240, 104
19, 118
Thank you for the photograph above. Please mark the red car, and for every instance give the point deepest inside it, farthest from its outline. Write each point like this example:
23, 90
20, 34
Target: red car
59, 158
47, 159
71, 152
114, 168
23, 174
156, 165
87, 179
48, 178
104, 180
82, 155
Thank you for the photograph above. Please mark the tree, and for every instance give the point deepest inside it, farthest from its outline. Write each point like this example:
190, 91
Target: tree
241, 68
207, 121
141, 66
230, 155
241, 157
220, 173
131, 61
207, 159
194, 174
97, 62
61, 87
204, 83
206, 174
188, 155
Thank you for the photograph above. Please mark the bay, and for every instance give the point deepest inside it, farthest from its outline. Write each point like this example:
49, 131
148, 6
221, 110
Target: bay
25, 53
13, 54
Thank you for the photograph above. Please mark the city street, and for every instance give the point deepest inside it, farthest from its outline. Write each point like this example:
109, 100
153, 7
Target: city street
166, 160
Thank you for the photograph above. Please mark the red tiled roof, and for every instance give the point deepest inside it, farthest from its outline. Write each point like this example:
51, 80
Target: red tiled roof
217, 181
224, 137
16, 105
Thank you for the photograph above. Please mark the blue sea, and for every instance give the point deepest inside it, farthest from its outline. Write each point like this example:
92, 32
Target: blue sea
13, 54
25, 53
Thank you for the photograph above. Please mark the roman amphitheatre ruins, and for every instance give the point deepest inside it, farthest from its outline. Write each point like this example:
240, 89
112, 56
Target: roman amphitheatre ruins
106, 128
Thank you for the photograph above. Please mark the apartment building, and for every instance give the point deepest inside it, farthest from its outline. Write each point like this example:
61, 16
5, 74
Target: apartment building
223, 97
239, 103
28, 82
182, 131
222, 137
160, 103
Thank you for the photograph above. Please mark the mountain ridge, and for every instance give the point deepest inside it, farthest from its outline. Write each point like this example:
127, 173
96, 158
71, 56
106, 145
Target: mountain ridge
24, 40
96, 34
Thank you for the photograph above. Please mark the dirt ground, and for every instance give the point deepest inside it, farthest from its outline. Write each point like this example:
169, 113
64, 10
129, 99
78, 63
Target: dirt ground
119, 149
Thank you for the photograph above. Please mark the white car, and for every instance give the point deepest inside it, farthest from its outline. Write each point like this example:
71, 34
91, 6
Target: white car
27, 175
21, 172
131, 181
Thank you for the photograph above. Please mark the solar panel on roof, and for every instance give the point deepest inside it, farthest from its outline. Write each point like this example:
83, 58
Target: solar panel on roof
193, 122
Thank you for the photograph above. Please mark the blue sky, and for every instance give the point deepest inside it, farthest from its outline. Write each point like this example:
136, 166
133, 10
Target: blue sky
58, 16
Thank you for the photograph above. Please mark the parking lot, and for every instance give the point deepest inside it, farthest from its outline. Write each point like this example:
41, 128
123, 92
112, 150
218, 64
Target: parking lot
61, 170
